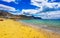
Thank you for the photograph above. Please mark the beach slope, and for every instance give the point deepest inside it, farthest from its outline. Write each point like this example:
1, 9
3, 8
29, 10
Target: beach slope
12, 29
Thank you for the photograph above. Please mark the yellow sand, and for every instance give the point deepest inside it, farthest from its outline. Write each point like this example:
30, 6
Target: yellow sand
13, 29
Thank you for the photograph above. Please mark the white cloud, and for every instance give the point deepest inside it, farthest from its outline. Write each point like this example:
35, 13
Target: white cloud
38, 2
50, 15
18, 13
42, 3
9, 0
11, 10
30, 11
43, 15
4, 7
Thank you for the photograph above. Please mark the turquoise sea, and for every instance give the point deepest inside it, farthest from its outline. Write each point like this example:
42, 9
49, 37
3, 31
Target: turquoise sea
53, 23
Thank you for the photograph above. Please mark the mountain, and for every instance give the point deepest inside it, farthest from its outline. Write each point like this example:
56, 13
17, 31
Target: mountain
4, 14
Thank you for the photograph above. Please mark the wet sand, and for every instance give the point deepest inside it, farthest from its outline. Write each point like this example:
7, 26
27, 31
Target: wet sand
48, 28
50, 32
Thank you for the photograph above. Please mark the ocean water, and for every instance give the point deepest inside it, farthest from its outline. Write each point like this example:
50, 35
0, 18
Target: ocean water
53, 23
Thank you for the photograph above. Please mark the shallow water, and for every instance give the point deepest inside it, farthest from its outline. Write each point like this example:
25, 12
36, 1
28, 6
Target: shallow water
54, 23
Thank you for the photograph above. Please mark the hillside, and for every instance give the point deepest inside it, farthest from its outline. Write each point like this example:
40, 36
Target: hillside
4, 14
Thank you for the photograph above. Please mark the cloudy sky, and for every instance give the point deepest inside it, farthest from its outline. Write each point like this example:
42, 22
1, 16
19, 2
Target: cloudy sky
46, 9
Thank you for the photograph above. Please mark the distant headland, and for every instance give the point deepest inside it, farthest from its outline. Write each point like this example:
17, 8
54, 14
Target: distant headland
7, 15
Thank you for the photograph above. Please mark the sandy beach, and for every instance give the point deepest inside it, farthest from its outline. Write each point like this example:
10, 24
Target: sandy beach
48, 28
13, 29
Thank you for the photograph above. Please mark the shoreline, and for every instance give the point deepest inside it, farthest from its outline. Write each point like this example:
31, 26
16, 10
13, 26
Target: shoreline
45, 27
